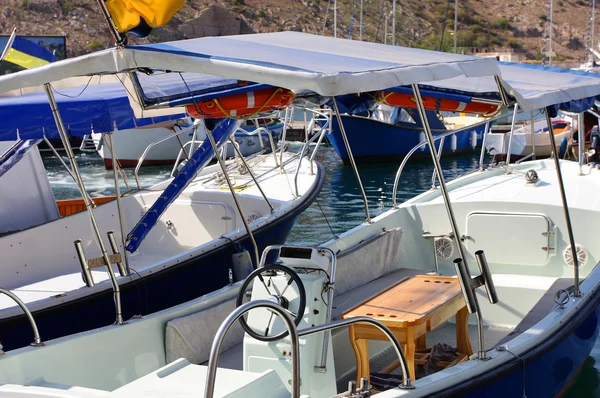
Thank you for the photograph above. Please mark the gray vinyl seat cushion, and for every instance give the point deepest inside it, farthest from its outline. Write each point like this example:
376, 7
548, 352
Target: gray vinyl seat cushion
191, 336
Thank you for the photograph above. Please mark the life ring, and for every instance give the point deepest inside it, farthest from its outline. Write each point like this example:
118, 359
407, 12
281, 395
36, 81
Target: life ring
436, 104
242, 106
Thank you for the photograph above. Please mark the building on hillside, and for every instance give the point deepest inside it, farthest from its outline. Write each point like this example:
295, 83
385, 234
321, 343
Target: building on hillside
501, 54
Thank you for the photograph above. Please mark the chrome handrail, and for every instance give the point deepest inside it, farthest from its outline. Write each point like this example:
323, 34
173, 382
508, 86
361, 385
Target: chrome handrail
422, 144
37, 341
141, 160
213, 359
304, 147
181, 150
406, 382
486, 130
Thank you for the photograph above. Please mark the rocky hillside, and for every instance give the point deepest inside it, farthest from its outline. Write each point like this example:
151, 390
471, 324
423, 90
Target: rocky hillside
518, 24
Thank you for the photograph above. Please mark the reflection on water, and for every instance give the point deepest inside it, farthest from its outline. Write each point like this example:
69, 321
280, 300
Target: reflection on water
98, 181
340, 202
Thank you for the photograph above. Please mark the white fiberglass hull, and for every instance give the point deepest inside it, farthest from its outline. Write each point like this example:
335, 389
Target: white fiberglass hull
131, 144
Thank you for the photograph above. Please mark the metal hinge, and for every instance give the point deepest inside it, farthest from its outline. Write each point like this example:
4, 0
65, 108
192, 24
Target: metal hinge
547, 248
548, 233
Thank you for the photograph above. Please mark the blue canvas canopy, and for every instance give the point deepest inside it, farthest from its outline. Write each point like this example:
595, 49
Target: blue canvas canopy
101, 108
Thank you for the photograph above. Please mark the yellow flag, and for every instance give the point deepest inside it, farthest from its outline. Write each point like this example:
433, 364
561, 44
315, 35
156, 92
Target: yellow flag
145, 14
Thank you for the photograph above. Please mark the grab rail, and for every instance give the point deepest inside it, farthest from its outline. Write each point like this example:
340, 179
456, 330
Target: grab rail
37, 341
141, 160
213, 359
422, 144
406, 382
304, 147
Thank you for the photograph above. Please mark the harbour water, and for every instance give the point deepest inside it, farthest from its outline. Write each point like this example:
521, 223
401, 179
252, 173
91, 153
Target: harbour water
338, 208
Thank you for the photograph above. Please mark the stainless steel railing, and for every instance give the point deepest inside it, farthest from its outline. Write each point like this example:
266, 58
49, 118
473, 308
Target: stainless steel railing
37, 341
149, 147
302, 152
213, 359
422, 144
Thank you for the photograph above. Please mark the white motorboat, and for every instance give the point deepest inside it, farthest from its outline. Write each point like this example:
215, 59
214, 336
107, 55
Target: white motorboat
529, 139
192, 241
131, 144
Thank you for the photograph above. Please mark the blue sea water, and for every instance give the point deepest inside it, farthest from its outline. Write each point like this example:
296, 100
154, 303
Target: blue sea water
338, 208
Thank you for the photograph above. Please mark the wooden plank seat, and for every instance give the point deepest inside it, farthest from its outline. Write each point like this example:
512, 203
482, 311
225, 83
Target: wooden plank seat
410, 308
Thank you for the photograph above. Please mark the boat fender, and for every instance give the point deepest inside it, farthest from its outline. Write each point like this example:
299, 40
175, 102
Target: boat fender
563, 147
242, 263
473, 139
453, 142
179, 167
421, 140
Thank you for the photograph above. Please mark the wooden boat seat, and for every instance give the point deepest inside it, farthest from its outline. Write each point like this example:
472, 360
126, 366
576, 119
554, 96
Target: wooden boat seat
345, 301
410, 308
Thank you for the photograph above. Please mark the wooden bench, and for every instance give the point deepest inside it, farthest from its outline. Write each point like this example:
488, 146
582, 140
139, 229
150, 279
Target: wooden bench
410, 308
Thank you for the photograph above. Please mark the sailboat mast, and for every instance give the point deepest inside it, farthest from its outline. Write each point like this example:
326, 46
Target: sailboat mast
361, 20
334, 18
550, 55
385, 34
455, 22
394, 23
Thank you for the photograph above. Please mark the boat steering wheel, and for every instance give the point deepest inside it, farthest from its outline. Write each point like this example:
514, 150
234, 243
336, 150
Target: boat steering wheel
264, 274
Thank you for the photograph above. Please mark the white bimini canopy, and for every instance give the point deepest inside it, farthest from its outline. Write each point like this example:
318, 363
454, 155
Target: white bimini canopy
293, 60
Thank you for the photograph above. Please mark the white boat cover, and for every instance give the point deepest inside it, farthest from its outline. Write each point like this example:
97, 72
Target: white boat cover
534, 86
294, 60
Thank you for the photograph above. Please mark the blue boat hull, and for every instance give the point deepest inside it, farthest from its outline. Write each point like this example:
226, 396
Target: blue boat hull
548, 368
166, 288
373, 141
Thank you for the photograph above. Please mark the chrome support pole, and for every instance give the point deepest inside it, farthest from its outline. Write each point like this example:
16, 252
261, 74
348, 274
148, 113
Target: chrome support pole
37, 341
532, 135
347, 144
286, 116
120, 41
85, 269
115, 249
260, 141
235, 198
510, 138
464, 278
63, 136
406, 382
302, 151
501, 91
561, 187
322, 368
486, 130
580, 141
439, 170
213, 360
237, 151
439, 156
305, 127
124, 271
